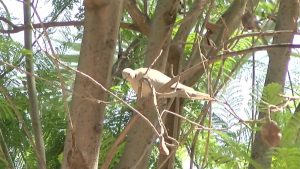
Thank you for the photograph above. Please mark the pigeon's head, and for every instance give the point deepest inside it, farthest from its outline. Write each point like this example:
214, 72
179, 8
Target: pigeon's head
128, 74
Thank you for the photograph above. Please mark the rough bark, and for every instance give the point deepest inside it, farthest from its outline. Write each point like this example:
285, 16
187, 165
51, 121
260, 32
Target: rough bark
32, 92
278, 64
101, 25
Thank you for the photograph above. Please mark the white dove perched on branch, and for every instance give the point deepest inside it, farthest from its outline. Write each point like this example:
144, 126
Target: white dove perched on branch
157, 79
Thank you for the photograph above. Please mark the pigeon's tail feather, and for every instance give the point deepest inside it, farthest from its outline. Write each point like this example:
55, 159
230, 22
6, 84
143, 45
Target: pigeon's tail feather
199, 96
192, 94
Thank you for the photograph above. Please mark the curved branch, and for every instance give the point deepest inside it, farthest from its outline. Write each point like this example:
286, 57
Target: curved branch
8, 22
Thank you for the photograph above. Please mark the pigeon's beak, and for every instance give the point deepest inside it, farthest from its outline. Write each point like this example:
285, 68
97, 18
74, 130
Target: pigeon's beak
125, 75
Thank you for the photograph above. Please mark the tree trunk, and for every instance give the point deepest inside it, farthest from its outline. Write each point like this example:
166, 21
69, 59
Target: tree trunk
141, 138
101, 25
277, 69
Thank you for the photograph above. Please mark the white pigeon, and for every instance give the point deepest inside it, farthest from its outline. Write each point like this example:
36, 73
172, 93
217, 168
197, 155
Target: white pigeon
157, 80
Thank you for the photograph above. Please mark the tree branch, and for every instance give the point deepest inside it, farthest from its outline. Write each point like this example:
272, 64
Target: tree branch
46, 25
183, 75
17, 29
140, 19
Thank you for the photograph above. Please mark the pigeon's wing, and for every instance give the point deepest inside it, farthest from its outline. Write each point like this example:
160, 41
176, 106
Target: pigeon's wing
157, 78
140, 79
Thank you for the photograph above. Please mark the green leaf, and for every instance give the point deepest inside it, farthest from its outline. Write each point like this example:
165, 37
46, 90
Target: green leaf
26, 52
271, 93
69, 58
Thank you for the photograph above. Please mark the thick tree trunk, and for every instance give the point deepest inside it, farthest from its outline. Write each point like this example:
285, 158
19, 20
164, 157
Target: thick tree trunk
101, 25
277, 69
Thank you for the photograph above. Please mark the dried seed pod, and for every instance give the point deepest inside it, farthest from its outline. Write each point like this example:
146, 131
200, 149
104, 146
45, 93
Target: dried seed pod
212, 27
249, 21
270, 134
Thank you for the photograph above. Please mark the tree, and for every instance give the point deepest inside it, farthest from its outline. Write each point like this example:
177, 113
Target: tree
210, 45
96, 56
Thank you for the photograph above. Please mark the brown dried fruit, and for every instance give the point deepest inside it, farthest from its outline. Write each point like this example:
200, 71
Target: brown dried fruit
249, 21
270, 134
211, 27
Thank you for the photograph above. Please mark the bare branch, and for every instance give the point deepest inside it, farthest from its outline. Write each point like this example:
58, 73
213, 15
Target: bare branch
47, 25
17, 29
